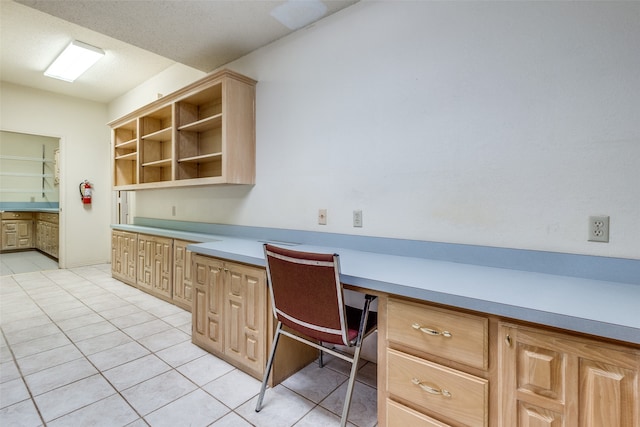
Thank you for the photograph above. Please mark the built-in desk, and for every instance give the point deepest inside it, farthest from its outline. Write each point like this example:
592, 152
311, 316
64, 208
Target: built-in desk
607, 309
515, 334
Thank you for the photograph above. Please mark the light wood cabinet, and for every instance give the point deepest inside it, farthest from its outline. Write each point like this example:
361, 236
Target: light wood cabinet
202, 134
560, 380
206, 310
182, 281
47, 234
232, 319
123, 256
230, 312
154, 265
157, 265
17, 230
447, 367
245, 314
433, 365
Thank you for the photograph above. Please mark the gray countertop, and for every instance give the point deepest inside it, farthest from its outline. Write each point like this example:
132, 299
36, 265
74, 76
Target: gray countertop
596, 307
47, 210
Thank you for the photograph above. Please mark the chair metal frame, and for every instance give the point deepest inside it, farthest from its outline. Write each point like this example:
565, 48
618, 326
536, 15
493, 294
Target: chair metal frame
312, 260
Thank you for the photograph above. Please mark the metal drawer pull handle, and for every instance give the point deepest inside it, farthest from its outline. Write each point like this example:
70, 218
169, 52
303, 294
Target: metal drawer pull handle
430, 331
431, 390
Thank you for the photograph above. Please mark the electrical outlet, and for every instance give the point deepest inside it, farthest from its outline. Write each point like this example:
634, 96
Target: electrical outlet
357, 218
599, 228
173, 211
322, 216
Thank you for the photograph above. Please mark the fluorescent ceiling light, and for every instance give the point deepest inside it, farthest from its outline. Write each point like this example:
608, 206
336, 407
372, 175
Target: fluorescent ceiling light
296, 14
77, 58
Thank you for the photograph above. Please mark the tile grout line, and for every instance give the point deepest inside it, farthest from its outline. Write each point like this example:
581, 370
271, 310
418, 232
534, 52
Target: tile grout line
99, 371
96, 281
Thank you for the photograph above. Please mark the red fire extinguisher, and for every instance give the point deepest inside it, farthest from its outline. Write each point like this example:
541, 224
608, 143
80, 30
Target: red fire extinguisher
85, 192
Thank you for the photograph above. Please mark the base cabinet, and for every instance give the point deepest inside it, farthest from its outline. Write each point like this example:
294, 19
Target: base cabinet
47, 234
17, 230
441, 366
433, 366
230, 312
232, 319
559, 380
29, 230
154, 264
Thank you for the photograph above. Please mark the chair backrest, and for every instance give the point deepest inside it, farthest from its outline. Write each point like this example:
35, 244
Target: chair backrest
306, 293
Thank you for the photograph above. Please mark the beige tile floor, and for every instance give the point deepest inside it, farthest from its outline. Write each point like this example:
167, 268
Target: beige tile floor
79, 348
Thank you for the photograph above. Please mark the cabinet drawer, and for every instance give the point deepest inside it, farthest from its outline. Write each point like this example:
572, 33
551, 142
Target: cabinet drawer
439, 390
48, 217
17, 215
400, 416
459, 337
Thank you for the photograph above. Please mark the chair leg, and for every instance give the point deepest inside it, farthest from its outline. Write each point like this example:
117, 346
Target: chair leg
350, 386
267, 371
320, 358
356, 360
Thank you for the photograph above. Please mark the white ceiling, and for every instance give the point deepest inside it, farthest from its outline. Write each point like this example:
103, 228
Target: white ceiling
141, 38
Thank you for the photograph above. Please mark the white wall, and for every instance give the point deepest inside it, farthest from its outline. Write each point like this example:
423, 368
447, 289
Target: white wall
173, 78
491, 123
85, 154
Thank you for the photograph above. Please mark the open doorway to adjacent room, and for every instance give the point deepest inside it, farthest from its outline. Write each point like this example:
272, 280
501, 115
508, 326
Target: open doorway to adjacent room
29, 202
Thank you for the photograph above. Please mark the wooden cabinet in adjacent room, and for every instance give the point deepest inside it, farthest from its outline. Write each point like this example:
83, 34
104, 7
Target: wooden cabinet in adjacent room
560, 380
17, 230
154, 265
47, 234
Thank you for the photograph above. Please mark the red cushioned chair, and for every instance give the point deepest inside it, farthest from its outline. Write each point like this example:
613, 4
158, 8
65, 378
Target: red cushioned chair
307, 296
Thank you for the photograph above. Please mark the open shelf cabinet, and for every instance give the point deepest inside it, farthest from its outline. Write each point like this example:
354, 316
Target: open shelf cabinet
125, 147
202, 134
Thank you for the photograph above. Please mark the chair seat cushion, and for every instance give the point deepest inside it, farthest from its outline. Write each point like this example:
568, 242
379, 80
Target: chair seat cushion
353, 321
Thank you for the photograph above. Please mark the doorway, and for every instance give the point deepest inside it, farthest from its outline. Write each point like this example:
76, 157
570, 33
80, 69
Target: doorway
29, 200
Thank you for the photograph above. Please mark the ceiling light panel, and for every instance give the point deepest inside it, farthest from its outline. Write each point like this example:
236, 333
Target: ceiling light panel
77, 58
295, 14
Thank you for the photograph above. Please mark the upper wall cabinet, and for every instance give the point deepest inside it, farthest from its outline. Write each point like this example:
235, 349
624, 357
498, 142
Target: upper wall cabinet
202, 134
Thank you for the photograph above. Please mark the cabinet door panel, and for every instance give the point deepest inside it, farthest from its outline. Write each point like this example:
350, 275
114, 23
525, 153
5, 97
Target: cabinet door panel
162, 261
9, 236
532, 416
25, 234
199, 314
145, 262
123, 255
540, 371
214, 304
555, 379
206, 309
608, 395
245, 315
182, 281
